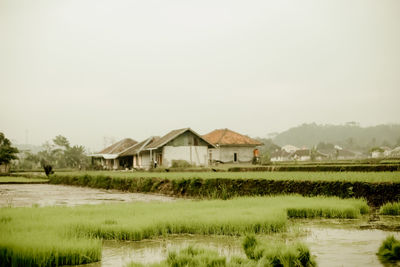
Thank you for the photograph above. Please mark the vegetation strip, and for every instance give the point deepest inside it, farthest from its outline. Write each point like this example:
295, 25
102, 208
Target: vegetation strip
372, 177
322, 168
52, 236
22, 180
375, 193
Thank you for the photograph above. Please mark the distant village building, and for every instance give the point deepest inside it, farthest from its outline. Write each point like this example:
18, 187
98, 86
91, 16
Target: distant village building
231, 147
299, 155
280, 155
290, 148
395, 153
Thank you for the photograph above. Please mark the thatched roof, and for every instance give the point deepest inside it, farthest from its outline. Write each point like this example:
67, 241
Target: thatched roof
172, 135
226, 137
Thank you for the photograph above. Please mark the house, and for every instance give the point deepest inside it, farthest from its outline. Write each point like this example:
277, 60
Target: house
280, 155
110, 158
395, 153
231, 146
290, 148
301, 154
181, 144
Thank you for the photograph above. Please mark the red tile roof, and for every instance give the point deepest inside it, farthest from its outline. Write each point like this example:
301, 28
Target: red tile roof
226, 137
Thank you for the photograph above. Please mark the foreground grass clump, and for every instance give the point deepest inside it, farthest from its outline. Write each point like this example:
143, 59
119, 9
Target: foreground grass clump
390, 209
51, 236
273, 254
258, 254
389, 250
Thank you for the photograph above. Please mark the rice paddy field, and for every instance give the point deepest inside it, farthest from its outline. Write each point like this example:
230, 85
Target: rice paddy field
53, 236
373, 177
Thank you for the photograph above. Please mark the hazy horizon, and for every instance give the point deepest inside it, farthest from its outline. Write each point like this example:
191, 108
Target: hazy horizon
90, 69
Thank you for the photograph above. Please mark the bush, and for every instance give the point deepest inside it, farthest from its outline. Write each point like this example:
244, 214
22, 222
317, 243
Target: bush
390, 209
180, 164
276, 254
389, 250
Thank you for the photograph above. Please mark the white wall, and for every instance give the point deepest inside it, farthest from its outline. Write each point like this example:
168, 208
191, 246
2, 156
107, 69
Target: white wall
144, 160
225, 154
196, 155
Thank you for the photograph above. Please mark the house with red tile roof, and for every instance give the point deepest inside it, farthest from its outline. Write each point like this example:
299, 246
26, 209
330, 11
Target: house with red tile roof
231, 147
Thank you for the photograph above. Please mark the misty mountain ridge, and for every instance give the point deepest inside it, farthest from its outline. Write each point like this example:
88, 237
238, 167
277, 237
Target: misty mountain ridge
350, 135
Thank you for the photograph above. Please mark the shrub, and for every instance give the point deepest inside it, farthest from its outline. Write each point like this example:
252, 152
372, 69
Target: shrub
180, 164
390, 209
389, 250
277, 254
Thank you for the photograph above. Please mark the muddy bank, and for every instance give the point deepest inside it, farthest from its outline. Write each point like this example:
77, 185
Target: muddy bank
26, 195
375, 193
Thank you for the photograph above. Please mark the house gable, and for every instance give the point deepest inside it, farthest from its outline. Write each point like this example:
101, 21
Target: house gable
187, 139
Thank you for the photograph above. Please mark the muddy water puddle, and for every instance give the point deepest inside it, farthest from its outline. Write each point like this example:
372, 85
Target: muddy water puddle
117, 253
26, 195
346, 247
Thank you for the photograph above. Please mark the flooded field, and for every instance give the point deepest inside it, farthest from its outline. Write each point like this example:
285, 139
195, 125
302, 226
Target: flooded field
334, 242
26, 195
331, 247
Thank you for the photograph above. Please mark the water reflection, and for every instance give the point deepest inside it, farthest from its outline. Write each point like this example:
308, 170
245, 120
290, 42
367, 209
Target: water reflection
117, 253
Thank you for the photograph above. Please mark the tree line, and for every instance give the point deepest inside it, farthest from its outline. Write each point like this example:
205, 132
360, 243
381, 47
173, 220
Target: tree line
58, 153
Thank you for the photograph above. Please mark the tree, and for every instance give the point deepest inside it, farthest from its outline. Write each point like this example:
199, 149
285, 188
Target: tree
75, 156
7, 152
61, 141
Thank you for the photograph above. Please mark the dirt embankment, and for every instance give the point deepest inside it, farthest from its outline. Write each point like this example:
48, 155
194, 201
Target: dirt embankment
375, 193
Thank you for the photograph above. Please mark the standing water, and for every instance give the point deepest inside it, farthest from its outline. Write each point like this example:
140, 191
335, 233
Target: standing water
26, 195
333, 242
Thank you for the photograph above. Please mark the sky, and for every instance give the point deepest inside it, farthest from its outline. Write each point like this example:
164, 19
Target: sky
95, 70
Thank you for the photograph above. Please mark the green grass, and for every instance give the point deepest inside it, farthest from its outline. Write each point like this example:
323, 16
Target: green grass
72, 235
390, 209
9, 179
389, 250
297, 176
258, 254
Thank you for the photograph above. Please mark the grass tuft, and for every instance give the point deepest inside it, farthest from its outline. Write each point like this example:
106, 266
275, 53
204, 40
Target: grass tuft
390, 209
389, 250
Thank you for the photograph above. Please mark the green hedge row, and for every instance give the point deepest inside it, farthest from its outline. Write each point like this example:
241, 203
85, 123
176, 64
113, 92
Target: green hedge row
375, 193
321, 168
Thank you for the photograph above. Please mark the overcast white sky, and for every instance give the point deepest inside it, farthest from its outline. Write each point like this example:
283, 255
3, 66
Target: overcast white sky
88, 68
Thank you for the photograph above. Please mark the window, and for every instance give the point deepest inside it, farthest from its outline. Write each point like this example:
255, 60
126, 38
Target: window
235, 157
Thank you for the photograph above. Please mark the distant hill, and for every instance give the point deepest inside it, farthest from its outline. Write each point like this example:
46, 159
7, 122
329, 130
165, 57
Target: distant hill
349, 135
